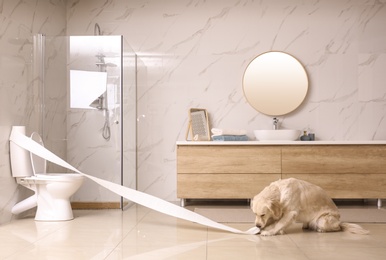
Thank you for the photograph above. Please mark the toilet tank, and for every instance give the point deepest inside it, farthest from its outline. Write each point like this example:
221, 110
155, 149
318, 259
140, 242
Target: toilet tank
20, 158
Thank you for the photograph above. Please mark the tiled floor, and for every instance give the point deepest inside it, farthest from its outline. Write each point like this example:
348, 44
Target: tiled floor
141, 233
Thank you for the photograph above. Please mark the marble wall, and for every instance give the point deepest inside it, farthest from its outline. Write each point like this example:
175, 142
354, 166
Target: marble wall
194, 54
20, 99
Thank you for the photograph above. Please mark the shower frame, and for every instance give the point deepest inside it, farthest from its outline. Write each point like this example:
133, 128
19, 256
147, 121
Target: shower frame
53, 62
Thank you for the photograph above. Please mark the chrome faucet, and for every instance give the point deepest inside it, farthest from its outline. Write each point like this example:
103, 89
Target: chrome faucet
275, 123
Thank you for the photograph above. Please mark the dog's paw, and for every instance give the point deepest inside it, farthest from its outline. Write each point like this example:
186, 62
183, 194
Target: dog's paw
267, 233
271, 232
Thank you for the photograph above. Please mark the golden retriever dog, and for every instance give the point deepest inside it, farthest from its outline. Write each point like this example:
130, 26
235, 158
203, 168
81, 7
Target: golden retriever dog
286, 201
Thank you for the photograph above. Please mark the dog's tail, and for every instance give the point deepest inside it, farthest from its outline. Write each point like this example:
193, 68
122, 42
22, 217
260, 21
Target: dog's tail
353, 228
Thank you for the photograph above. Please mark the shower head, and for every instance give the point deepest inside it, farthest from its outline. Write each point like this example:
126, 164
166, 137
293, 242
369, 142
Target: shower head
101, 63
101, 57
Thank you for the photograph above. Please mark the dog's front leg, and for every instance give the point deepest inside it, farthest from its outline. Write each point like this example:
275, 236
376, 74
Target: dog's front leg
278, 227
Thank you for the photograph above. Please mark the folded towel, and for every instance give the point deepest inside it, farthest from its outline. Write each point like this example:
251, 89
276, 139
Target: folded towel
218, 131
230, 138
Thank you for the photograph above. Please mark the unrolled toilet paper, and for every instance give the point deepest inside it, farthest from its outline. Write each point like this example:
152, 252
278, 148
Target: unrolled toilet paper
138, 197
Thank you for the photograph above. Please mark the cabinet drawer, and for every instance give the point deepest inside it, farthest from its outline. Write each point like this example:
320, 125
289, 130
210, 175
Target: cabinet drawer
347, 186
228, 159
334, 159
222, 186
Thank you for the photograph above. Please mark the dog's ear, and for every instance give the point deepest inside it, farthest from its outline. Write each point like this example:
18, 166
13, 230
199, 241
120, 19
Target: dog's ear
274, 201
275, 208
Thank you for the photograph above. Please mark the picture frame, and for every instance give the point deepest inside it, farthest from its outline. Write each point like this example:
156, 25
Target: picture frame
198, 126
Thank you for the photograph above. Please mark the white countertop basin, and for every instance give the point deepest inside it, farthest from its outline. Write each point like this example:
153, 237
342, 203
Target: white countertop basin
277, 135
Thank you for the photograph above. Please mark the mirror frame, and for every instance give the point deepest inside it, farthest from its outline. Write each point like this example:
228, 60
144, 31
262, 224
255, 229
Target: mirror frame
275, 83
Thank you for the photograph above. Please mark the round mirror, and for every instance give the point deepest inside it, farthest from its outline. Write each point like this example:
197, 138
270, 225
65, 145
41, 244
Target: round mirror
275, 83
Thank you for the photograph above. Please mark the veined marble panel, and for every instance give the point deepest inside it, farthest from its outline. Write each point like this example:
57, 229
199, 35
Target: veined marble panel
195, 54
20, 99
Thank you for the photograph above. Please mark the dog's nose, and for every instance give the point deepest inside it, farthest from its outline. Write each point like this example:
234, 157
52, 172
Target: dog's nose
258, 226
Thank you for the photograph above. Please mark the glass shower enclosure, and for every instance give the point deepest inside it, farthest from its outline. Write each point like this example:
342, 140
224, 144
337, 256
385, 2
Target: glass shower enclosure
87, 89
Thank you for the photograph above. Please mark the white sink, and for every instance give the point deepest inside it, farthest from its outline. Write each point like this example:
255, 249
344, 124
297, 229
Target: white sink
277, 135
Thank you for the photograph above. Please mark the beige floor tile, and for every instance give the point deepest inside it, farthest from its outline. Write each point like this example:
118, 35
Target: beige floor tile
192, 251
9, 250
344, 252
73, 237
159, 229
161, 233
226, 239
27, 230
311, 238
86, 219
59, 252
140, 233
254, 252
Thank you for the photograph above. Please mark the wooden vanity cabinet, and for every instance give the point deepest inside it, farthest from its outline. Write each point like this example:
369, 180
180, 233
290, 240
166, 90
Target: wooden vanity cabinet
225, 172
242, 171
344, 171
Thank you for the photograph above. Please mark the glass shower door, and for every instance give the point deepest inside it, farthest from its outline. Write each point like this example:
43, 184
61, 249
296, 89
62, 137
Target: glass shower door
96, 125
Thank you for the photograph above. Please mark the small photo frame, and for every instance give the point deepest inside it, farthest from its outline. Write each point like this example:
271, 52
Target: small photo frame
198, 126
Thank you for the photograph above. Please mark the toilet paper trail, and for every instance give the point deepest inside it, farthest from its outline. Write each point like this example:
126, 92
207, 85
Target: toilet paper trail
138, 197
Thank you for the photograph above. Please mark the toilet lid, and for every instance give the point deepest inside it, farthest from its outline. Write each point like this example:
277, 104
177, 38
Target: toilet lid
39, 164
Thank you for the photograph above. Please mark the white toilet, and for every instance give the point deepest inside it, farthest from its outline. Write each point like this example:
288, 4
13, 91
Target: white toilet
52, 190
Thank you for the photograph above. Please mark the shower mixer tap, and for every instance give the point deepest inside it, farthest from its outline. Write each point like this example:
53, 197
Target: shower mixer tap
98, 103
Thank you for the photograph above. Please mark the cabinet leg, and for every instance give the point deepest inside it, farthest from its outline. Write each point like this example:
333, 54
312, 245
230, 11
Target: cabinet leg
379, 203
182, 203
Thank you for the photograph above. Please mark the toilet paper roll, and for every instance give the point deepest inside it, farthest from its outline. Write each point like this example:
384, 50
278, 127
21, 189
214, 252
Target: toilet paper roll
138, 197
18, 155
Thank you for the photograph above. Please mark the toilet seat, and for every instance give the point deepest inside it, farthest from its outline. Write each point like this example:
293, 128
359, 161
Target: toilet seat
57, 177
